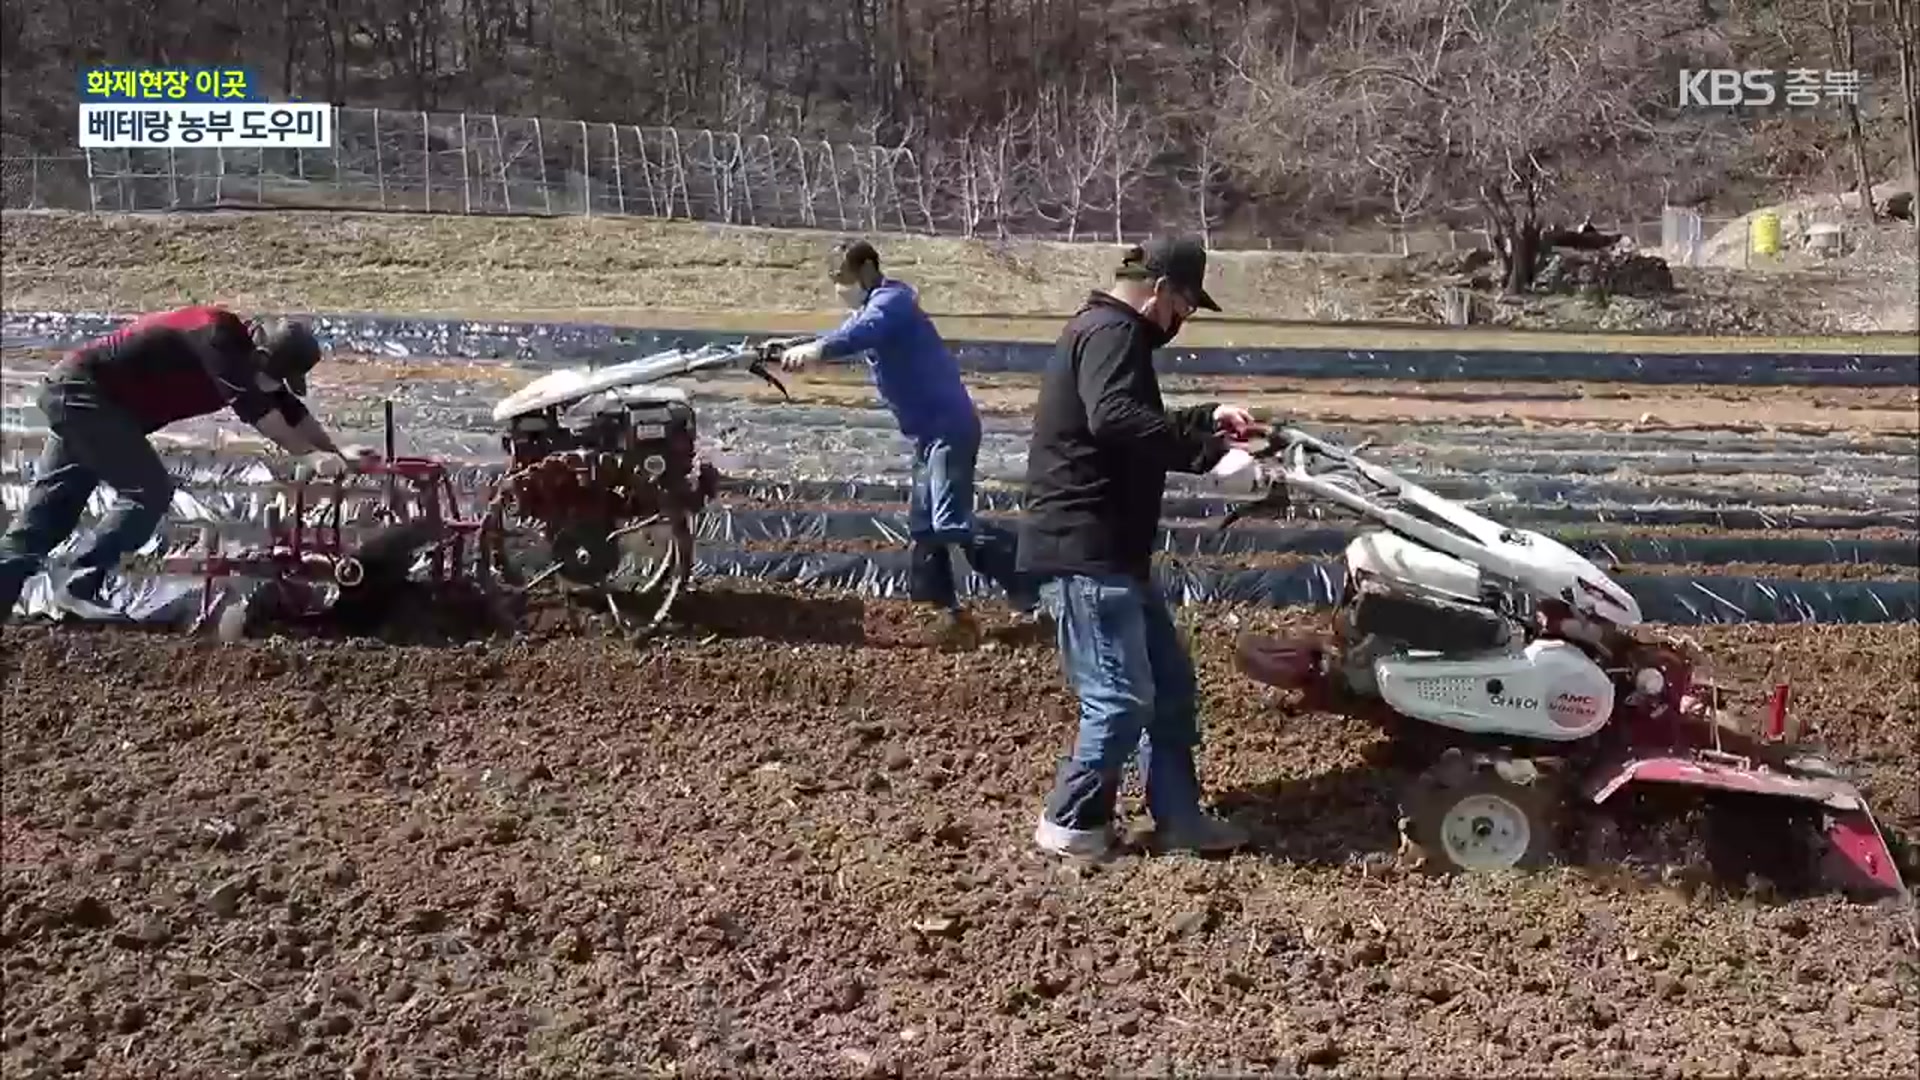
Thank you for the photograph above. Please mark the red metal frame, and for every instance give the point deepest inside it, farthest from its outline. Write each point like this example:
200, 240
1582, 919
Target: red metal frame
1670, 738
297, 551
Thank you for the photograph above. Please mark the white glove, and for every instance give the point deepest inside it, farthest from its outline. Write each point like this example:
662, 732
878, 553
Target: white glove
1236, 460
800, 356
360, 457
327, 465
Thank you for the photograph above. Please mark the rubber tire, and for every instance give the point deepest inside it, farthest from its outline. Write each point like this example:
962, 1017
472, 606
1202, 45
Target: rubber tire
1456, 777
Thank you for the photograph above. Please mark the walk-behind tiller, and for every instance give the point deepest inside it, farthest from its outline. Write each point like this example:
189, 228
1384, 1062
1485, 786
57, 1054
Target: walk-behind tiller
1506, 666
596, 507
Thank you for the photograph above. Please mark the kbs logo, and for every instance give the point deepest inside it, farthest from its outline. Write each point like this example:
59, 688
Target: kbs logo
1758, 88
1725, 86
1573, 710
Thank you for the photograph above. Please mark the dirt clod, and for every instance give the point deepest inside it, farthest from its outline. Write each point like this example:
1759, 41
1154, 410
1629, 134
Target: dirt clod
702, 916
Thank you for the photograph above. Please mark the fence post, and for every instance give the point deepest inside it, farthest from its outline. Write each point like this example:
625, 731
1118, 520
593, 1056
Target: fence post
219, 173
339, 183
173, 178
379, 165
619, 180
540, 149
920, 193
721, 205
586, 169
833, 169
260, 178
500, 158
646, 176
679, 174
807, 216
466, 168
426, 149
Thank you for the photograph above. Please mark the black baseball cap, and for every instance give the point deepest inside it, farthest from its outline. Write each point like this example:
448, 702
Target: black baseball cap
1182, 260
291, 351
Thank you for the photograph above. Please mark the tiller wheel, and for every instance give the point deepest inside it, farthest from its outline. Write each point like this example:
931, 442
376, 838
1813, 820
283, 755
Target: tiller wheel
632, 572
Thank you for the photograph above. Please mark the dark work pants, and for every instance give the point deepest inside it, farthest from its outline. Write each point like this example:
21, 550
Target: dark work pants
940, 517
90, 441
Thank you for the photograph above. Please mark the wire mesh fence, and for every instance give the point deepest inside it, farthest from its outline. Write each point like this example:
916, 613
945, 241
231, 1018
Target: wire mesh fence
483, 163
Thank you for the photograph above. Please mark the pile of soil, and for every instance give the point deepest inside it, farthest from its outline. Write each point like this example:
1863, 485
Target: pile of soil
793, 840
1611, 272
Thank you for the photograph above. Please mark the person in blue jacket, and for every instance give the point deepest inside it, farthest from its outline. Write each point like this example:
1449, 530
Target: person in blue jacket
917, 378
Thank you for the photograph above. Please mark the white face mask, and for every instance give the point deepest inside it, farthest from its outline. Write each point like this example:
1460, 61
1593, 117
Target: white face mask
854, 296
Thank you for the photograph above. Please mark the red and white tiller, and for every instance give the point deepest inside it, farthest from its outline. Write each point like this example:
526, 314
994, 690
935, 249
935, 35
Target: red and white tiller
1534, 703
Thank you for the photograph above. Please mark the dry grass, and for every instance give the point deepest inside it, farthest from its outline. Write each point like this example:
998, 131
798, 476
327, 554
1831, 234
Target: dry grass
1880, 263
690, 276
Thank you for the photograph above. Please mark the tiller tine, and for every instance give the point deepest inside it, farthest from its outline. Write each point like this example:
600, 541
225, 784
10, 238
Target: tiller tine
1853, 855
1858, 860
1774, 730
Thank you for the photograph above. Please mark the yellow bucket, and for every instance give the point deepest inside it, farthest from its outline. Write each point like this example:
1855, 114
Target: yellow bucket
1763, 236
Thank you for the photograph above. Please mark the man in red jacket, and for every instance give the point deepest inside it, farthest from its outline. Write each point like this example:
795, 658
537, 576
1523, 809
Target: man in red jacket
102, 401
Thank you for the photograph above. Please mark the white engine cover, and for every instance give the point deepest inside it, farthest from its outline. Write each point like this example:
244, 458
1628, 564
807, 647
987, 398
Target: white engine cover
645, 394
1549, 690
1401, 561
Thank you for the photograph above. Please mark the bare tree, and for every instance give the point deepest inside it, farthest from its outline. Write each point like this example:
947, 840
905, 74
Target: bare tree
1413, 187
1279, 124
1490, 102
1137, 142
1293, 114
955, 190
990, 170
1836, 16
1075, 141
1907, 47
1203, 175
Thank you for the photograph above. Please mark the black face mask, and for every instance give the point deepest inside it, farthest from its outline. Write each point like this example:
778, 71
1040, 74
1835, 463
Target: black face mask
1162, 335
287, 354
1150, 327
286, 369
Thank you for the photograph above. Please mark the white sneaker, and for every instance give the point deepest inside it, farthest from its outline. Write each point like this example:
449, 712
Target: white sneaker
1073, 843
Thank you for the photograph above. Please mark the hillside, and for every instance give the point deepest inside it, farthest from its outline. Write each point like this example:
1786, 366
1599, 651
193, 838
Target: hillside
1271, 120
675, 274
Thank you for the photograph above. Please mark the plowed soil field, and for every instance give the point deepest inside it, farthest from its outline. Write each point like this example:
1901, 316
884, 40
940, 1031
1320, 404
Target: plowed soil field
792, 839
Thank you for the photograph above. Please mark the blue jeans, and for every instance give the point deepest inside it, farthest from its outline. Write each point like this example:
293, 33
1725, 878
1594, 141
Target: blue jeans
940, 517
1137, 689
90, 441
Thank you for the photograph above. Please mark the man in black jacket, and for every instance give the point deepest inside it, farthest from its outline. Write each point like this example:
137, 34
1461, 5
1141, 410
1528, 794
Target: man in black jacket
1102, 446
